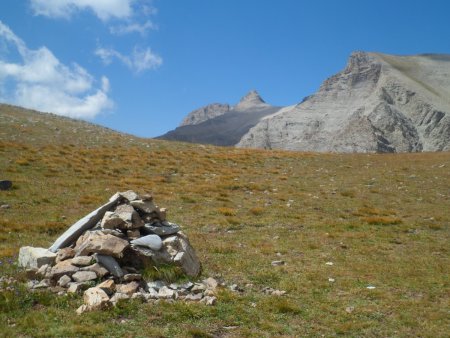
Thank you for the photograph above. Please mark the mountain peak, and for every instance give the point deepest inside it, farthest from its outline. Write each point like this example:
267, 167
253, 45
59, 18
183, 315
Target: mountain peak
252, 97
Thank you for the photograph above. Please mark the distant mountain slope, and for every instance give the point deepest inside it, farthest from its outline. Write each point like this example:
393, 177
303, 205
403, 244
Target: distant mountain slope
378, 103
222, 127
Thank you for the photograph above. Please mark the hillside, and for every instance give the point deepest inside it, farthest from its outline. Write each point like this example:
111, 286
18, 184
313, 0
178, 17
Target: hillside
340, 222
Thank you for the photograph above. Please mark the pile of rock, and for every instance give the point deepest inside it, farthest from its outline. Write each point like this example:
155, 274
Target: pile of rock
105, 253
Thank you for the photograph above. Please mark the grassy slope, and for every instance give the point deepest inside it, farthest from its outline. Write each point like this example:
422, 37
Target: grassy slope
383, 220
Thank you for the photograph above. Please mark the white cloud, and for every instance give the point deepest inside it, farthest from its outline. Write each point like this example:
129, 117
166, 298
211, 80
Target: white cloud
40, 81
139, 61
104, 9
133, 27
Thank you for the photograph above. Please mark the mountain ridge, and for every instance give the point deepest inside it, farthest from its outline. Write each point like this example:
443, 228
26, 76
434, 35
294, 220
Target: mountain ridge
377, 103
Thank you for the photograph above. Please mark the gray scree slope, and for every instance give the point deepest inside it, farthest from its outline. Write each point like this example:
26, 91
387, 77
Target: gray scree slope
222, 127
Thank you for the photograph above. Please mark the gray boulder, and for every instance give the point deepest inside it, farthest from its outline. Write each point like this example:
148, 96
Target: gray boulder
34, 258
97, 242
110, 264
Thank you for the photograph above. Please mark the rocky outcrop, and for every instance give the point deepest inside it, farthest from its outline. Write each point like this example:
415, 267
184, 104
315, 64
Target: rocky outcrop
378, 103
205, 113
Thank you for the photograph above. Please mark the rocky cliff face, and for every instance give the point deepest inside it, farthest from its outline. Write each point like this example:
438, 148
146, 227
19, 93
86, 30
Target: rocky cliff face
205, 113
378, 103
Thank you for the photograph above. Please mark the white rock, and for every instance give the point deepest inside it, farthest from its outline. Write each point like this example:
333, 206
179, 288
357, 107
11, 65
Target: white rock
34, 258
153, 242
151, 294
277, 263
166, 293
95, 298
157, 284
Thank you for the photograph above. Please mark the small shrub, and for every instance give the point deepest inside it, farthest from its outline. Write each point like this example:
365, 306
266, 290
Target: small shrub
227, 211
256, 211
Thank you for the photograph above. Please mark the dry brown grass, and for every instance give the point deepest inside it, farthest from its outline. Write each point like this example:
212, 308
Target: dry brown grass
382, 220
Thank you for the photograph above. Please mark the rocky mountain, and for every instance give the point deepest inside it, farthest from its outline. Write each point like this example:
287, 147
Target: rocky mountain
213, 124
378, 103
205, 113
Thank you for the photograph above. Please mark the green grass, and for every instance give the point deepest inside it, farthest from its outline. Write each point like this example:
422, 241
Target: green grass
383, 220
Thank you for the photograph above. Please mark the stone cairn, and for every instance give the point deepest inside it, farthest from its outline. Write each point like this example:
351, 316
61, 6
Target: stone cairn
104, 252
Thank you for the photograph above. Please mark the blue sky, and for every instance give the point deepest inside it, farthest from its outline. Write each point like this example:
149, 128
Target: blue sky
139, 66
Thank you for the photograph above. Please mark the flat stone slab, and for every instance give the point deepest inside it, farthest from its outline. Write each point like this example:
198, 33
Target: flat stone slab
162, 230
63, 268
87, 222
84, 276
82, 260
34, 258
110, 264
145, 206
97, 242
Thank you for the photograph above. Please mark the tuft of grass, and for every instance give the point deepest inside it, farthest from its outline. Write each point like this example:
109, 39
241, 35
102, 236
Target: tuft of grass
257, 211
168, 273
227, 211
